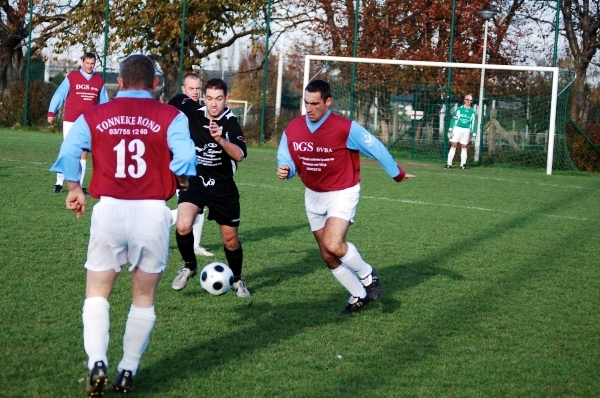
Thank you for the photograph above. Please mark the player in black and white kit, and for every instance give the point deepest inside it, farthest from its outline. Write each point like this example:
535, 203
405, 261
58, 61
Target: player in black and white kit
220, 145
191, 88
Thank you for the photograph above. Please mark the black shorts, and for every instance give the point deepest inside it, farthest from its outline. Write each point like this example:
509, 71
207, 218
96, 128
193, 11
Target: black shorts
221, 197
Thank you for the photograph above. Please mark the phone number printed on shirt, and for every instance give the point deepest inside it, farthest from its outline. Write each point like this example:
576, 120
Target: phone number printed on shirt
127, 131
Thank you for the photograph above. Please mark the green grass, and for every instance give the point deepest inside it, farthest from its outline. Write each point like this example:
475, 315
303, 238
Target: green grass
490, 283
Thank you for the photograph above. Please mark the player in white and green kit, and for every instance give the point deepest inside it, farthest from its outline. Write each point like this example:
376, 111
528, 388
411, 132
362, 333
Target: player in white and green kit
462, 129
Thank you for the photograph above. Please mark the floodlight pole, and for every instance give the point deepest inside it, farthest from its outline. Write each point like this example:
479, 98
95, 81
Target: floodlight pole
106, 5
25, 113
556, 27
486, 14
179, 81
354, 51
265, 76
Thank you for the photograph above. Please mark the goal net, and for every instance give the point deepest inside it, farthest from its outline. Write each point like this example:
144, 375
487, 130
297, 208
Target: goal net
406, 103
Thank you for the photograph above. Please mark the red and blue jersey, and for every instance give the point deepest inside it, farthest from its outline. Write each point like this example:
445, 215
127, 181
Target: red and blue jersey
325, 154
79, 92
139, 145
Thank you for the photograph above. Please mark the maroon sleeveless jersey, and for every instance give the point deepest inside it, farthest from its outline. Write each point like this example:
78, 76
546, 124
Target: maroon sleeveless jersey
131, 156
83, 94
323, 160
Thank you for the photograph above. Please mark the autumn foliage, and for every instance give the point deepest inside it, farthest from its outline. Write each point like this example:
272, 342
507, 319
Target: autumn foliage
583, 154
12, 103
414, 30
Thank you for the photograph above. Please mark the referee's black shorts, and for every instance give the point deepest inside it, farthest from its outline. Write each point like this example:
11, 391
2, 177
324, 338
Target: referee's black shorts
221, 197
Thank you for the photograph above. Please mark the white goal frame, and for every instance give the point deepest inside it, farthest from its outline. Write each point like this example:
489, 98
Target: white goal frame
553, 101
247, 106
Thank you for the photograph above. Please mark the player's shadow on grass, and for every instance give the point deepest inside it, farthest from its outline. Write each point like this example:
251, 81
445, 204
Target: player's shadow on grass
394, 278
264, 324
4, 172
273, 316
267, 324
399, 277
248, 236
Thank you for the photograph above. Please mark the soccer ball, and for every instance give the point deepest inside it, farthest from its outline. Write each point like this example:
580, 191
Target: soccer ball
216, 278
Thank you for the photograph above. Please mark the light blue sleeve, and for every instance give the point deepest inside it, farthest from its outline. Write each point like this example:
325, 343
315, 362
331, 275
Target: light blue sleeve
181, 145
361, 140
103, 96
77, 141
284, 157
59, 96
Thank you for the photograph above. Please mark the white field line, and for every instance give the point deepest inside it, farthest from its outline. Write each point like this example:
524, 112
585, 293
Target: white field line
476, 208
418, 202
475, 177
407, 201
20, 161
533, 183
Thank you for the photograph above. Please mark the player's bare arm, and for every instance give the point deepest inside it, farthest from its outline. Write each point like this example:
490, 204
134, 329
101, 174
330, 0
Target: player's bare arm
50, 119
283, 171
232, 150
76, 198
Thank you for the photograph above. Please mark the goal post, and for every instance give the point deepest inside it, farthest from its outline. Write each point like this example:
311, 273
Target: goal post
409, 105
246, 105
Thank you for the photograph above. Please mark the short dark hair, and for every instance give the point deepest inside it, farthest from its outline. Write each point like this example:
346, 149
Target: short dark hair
87, 55
319, 86
138, 72
216, 84
191, 75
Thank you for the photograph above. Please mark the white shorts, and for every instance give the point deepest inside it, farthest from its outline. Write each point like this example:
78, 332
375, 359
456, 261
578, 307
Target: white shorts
461, 134
66, 128
322, 205
134, 231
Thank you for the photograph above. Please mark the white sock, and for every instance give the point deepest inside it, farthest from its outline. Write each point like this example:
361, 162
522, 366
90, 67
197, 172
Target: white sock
140, 322
60, 179
451, 153
197, 229
96, 323
354, 261
82, 162
463, 156
347, 278
174, 215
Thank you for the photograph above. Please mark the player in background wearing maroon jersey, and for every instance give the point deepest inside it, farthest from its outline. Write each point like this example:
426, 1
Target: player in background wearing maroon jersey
80, 90
142, 153
323, 149
191, 87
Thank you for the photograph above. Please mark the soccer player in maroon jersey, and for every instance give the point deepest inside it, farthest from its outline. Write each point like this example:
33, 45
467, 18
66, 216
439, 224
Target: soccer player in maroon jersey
79, 91
142, 153
323, 149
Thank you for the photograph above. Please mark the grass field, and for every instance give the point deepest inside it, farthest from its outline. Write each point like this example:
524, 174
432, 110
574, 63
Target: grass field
490, 281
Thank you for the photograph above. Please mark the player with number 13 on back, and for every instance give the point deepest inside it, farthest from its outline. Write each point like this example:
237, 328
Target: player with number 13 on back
323, 149
142, 153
